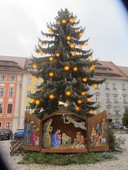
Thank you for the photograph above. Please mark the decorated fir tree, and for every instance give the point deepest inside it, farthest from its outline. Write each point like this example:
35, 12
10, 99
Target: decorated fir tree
66, 67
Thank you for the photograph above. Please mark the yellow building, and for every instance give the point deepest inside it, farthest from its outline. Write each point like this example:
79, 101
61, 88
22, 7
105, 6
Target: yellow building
29, 84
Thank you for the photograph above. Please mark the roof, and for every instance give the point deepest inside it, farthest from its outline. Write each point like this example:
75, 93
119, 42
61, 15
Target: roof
124, 69
109, 70
19, 60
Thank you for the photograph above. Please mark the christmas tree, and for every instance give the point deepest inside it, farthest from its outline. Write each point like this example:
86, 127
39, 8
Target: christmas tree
66, 67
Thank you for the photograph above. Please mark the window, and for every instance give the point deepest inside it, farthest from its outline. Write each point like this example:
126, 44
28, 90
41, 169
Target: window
1, 108
107, 98
12, 78
97, 97
3, 77
107, 86
8, 125
115, 98
1, 91
9, 109
124, 99
123, 87
28, 109
11, 92
108, 111
114, 86
28, 93
29, 81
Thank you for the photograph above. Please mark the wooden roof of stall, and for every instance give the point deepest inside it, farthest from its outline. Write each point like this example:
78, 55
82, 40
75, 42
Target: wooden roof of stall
61, 112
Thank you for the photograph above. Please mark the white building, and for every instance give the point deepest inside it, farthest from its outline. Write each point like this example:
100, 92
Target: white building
112, 95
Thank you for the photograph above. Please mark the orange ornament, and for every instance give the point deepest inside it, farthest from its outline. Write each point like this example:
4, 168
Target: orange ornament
68, 93
50, 30
66, 68
34, 66
68, 38
83, 93
92, 67
71, 20
50, 58
73, 54
63, 21
41, 52
75, 68
80, 34
79, 101
51, 74
72, 45
37, 102
90, 59
77, 108
57, 54
77, 30
88, 99
51, 96
90, 112
84, 79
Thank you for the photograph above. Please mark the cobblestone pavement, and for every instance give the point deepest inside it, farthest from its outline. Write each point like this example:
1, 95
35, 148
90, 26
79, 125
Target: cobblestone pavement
120, 164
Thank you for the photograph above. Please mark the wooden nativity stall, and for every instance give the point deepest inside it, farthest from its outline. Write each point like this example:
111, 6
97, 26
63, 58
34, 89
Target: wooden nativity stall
66, 132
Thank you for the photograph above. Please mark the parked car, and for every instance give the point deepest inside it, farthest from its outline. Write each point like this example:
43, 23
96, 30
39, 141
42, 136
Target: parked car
6, 134
19, 133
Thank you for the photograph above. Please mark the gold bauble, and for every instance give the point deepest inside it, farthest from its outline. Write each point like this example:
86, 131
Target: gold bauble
37, 102
50, 30
72, 45
77, 108
34, 66
41, 52
57, 54
90, 59
80, 34
50, 58
75, 68
92, 67
71, 20
73, 54
88, 99
79, 101
68, 93
51, 96
68, 38
84, 79
51, 74
77, 30
95, 86
90, 112
83, 93
66, 68
63, 21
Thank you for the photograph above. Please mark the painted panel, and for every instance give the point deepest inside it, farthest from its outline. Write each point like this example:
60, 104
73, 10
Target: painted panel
97, 132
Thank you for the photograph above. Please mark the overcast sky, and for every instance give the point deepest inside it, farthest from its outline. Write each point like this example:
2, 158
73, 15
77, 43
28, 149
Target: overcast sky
106, 23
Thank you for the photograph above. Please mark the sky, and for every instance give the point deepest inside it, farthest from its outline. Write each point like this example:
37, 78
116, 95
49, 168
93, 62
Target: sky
105, 22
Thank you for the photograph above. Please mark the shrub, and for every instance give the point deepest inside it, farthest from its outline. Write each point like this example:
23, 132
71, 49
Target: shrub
115, 143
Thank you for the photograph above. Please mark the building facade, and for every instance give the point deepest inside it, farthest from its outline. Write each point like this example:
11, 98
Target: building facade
10, 92
112, 95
